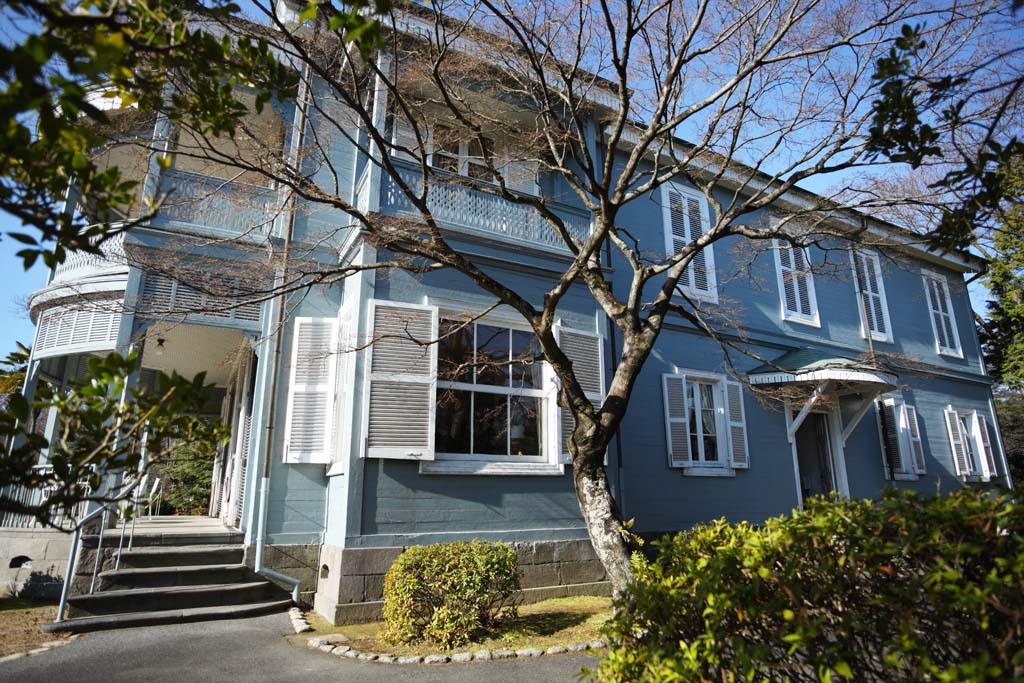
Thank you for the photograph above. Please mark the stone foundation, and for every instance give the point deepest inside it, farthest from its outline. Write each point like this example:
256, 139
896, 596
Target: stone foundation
297, 561
351, 582
40, 557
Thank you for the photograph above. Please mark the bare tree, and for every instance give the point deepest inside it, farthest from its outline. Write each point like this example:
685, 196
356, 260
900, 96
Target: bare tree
746, 101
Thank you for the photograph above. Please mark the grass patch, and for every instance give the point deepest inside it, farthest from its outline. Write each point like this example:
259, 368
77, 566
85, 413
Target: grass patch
552, 622
19, 625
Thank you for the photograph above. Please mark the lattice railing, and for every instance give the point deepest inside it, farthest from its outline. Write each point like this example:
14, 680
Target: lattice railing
224, 205
469, 210
79, 263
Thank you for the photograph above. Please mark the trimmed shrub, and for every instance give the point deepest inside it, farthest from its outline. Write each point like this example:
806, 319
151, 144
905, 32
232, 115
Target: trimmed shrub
906, 588
447, 593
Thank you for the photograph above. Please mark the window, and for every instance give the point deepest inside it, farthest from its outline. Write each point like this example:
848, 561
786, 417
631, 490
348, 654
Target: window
467, 396
685, 216
874, 313
705, 422
449, 152
970, 444
940, 304
490, 395
796, 284
902, 447
311, 391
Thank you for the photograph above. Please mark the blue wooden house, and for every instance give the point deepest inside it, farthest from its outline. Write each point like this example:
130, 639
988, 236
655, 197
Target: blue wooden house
350, 443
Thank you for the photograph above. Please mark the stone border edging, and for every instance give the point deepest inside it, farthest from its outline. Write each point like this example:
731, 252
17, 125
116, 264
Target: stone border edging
44, 647
339, 649
299, 622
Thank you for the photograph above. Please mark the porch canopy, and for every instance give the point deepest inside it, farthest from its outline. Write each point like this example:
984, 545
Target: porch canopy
811, 377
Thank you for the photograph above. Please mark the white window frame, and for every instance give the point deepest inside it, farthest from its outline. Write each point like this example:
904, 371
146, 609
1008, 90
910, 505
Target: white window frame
977, 444
724, 467
865, 327
812, 320
909, 471
943, 282
547, 463
685, 284
501, 158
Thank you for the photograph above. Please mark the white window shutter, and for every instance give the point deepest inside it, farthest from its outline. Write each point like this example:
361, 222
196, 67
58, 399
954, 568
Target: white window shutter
677, 425
796, 283
308, 419
520, 174
686, 219
940, 307
984, 445
914, 439
584, 350
957, 443
739, 454
889, 419
402, 381
871, 294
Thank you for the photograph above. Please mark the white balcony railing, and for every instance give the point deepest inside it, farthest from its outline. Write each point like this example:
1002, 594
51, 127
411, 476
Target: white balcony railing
80, 264
221, 205
34, 496
468, 210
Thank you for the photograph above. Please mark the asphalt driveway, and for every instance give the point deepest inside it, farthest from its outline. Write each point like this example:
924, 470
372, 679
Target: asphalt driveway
249, 650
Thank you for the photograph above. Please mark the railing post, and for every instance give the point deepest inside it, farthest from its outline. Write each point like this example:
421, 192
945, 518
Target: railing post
69, 576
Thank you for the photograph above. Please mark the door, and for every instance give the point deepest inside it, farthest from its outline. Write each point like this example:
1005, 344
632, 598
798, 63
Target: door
814, 456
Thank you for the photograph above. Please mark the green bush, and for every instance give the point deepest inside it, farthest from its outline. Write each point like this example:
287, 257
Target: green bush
448, 592
907, 588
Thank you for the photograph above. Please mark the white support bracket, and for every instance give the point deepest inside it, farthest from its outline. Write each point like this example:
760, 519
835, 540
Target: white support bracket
862, 410
794, 425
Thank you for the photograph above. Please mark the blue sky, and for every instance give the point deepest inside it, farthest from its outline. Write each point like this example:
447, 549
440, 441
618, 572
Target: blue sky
15, 286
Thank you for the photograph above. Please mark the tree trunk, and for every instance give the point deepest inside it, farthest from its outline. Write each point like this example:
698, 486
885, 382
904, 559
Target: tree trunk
602, 517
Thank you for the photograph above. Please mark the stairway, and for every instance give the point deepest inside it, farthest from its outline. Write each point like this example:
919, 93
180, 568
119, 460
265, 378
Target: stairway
172, 578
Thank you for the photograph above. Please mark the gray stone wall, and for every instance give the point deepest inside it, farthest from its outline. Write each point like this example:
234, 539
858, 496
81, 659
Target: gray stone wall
300, 561
42, 575
351, 586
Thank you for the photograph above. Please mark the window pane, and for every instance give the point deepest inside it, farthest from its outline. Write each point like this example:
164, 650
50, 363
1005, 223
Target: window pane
692, 405
451, 429
526, 373
708, 426
492, 355
455, 352
525, 429
490, 424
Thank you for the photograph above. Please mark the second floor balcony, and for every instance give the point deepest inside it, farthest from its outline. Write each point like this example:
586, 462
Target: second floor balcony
226, 207
467, 210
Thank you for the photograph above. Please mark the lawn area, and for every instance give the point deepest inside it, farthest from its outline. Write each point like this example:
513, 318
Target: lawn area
19, 625
553, 622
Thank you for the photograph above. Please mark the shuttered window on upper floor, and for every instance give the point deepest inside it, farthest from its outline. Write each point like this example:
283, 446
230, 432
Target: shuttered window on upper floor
686, 218
870, 288
796, 284
940, 309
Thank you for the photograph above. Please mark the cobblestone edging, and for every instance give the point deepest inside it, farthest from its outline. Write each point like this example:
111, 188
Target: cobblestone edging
299, 622
44, 647
335, 644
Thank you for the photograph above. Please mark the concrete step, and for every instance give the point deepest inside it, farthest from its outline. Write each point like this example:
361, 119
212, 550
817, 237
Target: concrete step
178, 597
173, 616
163, 577
178, 556
111, 538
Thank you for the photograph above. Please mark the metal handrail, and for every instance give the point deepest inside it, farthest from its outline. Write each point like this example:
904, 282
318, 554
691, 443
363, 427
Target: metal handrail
121, 505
